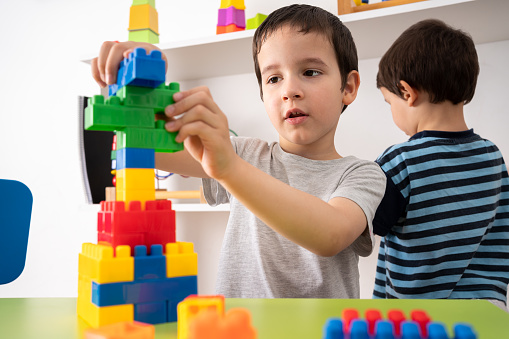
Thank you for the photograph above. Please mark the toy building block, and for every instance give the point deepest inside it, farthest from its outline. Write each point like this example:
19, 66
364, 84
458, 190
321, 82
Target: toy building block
122, 330
235, 324
409, 330
151, 266
144, 35
422, 319
136, 179
135, 158
144, 97
231, 15
97, 262
132, 225
359, 329
151, 313
140, 69
229, 29
181, 260
464, 331
383, 330
144, 2
372, 316
194, 304
437, 331
135, 195
254, 22
110, 115
143, 17
333, 329
396, 317
348, 315
159, 139
238, 4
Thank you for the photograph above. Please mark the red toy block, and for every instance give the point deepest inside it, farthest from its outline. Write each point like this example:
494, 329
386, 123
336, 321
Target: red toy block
396, 317
349, 315
151, 226
422, 319
122, 330
372, 316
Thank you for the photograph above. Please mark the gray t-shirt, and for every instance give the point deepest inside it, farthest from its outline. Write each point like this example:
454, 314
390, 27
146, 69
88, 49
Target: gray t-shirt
257, 262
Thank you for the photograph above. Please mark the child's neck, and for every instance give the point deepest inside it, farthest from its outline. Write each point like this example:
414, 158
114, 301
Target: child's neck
444, 117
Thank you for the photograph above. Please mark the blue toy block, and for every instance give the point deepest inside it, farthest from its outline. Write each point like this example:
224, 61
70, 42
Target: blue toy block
359, 329
333, 329
140, 69
151, 313
143, 291
437, 331
151, 266
384, 330
464, 331
135, 158
410, 330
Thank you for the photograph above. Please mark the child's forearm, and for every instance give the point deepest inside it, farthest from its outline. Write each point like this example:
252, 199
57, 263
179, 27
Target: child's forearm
181, 163
322, 228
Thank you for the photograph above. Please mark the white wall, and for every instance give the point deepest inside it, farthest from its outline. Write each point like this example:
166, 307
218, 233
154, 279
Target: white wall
43, 43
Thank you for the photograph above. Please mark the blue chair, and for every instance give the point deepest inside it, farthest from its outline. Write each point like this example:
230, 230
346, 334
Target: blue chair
15, 213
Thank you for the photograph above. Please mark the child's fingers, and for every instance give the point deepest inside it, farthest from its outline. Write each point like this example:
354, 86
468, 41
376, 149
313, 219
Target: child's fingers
186, 100
96, 75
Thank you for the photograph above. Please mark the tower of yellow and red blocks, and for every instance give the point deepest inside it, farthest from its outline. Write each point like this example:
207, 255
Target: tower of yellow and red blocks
136, 271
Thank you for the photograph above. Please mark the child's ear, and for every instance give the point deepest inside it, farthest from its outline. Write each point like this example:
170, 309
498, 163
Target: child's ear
408, 93
353, 81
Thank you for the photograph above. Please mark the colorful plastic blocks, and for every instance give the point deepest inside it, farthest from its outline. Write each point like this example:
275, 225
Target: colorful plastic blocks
144, 22
351, 326
203, 317
231, 16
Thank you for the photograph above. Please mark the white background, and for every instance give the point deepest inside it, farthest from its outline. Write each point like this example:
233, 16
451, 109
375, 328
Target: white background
41, 76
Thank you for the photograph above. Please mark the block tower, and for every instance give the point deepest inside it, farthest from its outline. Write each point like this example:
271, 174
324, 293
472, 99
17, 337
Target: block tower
231, 16
137, 270
143, 22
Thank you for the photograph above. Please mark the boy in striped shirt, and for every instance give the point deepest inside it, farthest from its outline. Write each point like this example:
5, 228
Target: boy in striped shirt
445, 214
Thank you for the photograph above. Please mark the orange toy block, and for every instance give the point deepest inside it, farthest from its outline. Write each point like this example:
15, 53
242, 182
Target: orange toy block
143, 17
194, 304
229, 29
122, 330
235, 324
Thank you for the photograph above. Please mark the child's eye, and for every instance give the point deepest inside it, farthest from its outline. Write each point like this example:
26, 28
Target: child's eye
273, 80
311, 73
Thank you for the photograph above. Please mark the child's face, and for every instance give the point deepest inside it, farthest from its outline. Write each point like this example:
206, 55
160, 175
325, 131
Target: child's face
400, 114
301, 85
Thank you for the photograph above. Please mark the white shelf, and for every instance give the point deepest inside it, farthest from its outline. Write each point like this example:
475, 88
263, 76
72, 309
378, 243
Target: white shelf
200, 208
373, 31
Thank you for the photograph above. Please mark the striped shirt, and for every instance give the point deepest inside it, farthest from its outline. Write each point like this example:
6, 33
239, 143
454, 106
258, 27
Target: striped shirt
444, 218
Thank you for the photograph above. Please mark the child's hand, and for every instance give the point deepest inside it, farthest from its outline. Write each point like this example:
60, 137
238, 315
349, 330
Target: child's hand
204, 129
105, 66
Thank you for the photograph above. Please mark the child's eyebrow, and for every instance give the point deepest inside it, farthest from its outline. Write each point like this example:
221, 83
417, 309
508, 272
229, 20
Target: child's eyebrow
305, 61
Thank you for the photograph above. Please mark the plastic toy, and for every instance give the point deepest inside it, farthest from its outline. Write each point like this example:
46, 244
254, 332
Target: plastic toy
122, 330
144, 22
373, 326
231, 16
255, 21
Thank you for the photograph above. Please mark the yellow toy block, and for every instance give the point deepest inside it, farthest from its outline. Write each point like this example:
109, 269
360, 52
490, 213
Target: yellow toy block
99, 316
143, 17
189, 308
135, 195
181, 260
238, 4
98, 263
135, 179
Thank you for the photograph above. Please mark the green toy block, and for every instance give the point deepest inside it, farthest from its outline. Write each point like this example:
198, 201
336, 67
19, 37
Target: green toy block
144, 35
255, 21
112, 115
145, 97
159, 139
152, 3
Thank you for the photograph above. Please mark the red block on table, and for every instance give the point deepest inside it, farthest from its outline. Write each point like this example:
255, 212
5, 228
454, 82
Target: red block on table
396, 317
422, 319
349, 315
372, 316
136, 226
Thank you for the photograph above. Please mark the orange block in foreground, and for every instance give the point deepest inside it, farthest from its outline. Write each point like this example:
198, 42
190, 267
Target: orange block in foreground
122, 330
235, 324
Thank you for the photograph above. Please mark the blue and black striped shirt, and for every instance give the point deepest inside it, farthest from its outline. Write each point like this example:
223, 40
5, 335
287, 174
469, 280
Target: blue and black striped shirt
444, 219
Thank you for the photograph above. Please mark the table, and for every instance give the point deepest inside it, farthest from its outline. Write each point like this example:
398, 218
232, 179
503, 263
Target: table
55, 318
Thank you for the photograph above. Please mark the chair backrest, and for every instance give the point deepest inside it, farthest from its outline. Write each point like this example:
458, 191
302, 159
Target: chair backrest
15, 213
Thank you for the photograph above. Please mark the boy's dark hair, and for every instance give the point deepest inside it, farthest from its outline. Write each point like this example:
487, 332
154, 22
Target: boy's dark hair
432, 57
308, 19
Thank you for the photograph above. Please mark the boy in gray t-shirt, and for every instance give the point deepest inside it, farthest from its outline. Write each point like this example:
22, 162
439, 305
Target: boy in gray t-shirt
300, 214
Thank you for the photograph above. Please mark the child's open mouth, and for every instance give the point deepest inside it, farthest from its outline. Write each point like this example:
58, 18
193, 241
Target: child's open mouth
295, 116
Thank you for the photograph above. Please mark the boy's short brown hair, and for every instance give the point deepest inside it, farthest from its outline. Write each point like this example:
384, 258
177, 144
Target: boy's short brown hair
432, 57
308, 19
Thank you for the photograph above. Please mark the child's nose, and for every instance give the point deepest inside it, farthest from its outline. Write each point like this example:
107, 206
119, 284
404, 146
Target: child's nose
292, 91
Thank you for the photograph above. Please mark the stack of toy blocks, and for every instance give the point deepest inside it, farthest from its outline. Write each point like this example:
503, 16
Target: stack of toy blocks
143, 22
231, 16
137, 271
203, 317
419, 326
